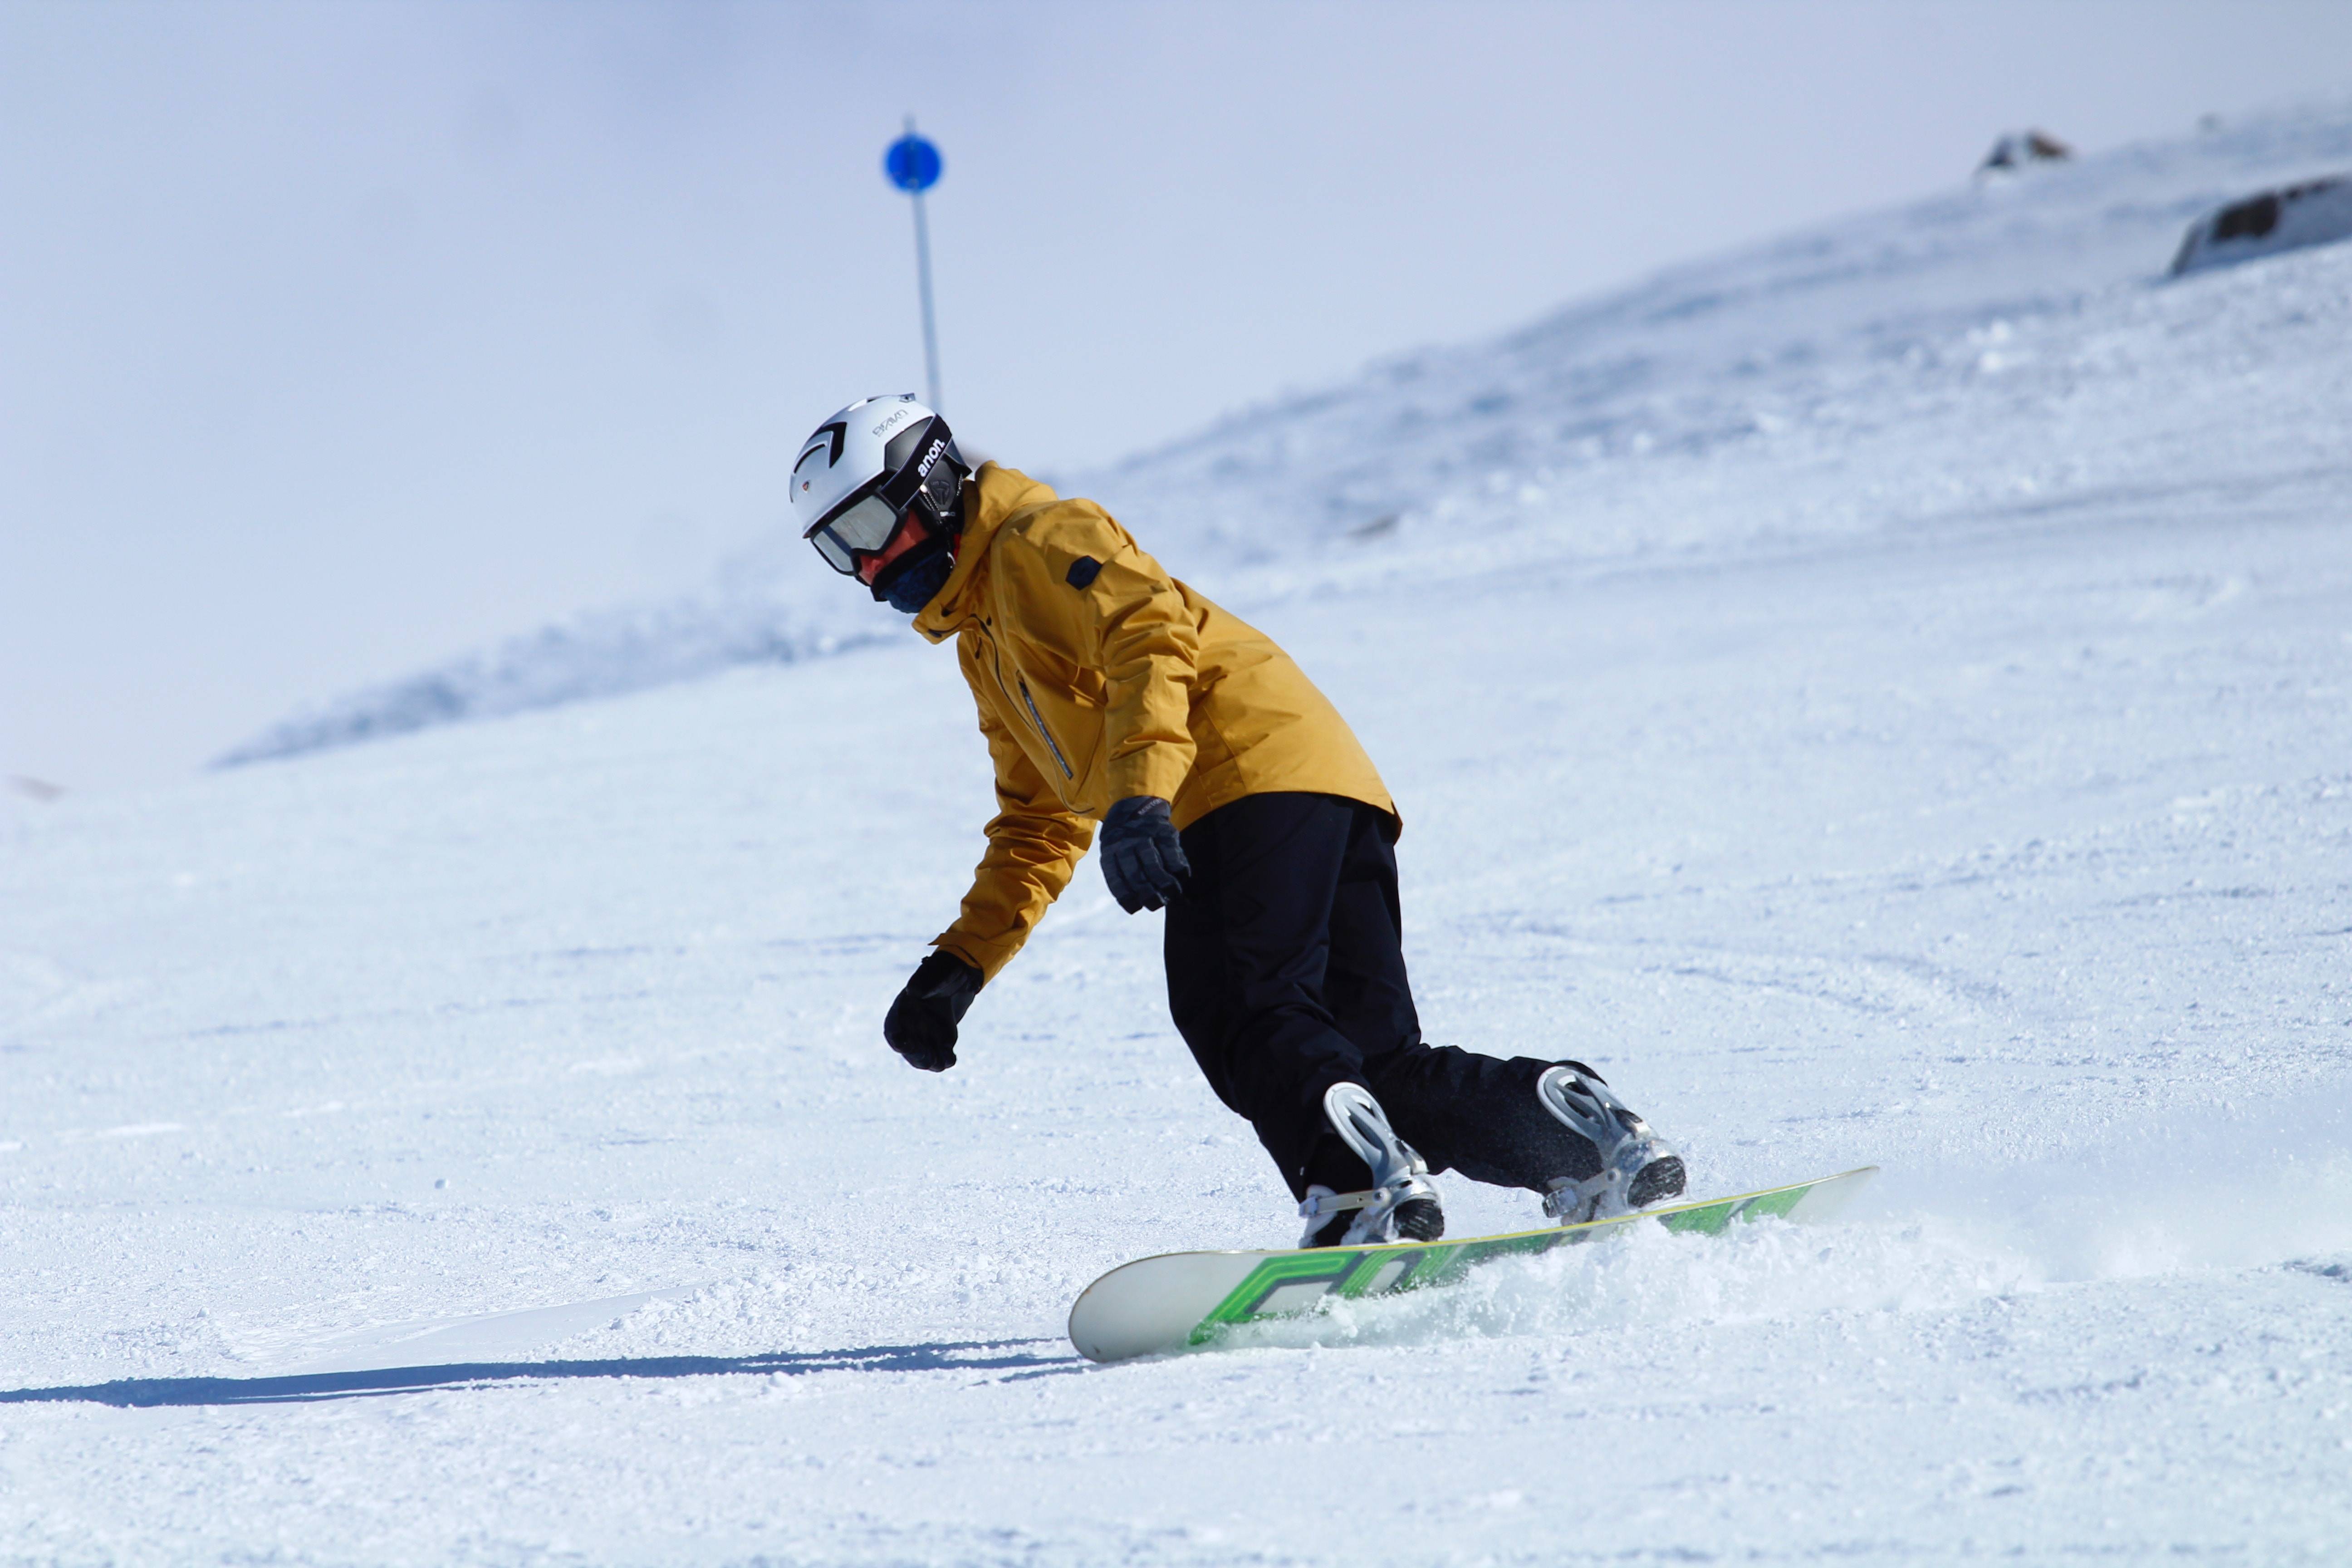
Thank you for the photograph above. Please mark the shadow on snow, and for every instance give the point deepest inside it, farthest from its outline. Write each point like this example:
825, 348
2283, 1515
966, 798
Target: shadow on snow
135, 1393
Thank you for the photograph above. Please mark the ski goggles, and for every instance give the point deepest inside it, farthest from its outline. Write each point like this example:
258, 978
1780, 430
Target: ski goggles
861, 528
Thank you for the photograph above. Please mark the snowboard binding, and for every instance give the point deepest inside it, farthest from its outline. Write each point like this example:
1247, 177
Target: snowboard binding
1638, 1168
1400, 1205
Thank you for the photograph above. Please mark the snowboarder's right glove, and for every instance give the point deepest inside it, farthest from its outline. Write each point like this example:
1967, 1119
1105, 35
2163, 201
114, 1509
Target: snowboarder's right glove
921, 1024
1143, 858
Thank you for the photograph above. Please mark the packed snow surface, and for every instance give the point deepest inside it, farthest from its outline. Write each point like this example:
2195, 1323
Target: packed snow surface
1882, 699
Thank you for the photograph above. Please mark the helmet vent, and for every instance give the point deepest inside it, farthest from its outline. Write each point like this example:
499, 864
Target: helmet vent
838, 430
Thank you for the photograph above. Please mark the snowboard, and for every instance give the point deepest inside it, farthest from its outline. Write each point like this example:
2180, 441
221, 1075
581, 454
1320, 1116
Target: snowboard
1181, 1298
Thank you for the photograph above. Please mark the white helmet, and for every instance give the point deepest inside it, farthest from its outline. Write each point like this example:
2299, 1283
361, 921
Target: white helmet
863, 468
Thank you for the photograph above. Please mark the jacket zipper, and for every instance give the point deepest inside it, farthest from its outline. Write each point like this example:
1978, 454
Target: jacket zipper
996, 655
1037, 718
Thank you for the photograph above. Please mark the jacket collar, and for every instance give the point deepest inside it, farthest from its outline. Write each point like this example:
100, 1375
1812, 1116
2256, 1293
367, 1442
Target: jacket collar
997, 493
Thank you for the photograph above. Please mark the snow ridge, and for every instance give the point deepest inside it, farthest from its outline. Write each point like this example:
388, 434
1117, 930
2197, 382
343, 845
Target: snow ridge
743, 620
1714, 407
1638, 421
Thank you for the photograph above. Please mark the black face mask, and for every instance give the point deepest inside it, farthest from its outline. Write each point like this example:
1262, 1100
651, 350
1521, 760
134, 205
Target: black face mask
915, 579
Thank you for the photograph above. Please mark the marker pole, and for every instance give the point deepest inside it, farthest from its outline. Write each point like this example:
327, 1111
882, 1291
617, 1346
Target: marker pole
912, 164
923, 273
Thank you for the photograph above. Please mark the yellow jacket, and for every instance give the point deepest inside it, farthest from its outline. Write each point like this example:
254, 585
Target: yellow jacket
1100, 677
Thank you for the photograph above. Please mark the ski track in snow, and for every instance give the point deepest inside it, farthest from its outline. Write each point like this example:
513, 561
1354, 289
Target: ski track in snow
1882, 698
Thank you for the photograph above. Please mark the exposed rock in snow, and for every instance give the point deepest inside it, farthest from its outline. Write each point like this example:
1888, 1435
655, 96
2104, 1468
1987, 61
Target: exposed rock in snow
2316, 212
2017, 149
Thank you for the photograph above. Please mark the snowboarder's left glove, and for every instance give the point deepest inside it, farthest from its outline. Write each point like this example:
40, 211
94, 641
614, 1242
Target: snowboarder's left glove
1143, 858
921, 1024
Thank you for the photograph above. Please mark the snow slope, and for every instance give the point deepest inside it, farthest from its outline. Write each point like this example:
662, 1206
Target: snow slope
2012, 340
478, 1147
1787, 392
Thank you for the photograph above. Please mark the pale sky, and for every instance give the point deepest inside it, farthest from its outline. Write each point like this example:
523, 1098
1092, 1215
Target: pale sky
339, 338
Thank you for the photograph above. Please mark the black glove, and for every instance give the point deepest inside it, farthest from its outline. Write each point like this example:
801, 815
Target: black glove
921, 1024
1143, 858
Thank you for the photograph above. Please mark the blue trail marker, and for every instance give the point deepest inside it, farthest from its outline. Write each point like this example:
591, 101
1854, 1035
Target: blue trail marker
913, 165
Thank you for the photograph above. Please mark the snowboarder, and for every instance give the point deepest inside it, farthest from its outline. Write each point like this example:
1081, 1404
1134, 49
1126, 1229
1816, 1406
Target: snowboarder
1231, 793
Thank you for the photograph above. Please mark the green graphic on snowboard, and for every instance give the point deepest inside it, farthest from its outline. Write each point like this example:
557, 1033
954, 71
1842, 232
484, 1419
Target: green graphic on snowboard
1287, 1282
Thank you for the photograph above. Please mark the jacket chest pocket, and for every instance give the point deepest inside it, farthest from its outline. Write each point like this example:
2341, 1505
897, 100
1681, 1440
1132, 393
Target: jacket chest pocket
1036, 717
1071, 732
1065, 731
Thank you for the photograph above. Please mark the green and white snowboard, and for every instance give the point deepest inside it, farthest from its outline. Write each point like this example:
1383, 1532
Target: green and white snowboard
1181, 1298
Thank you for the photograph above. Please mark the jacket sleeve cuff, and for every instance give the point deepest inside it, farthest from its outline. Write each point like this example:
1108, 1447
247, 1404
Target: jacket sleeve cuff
988, 957
1148, 773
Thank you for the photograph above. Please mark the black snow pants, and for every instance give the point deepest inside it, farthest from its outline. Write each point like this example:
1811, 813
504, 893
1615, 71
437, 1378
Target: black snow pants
1286, 975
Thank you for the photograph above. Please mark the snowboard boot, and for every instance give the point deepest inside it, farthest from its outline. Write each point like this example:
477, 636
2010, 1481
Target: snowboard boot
1399, 1205
1638, 1168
